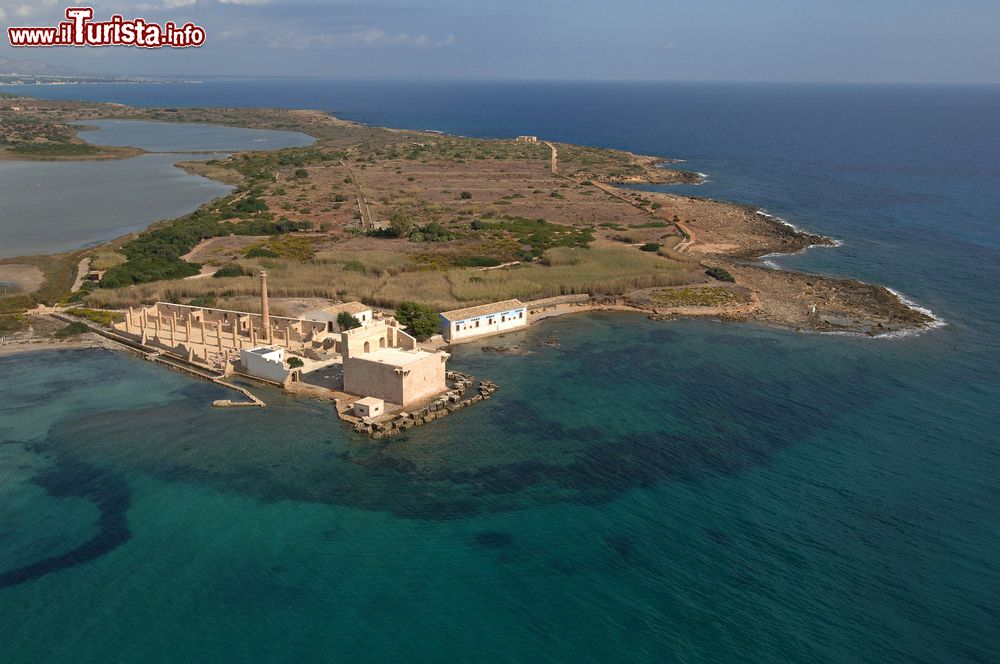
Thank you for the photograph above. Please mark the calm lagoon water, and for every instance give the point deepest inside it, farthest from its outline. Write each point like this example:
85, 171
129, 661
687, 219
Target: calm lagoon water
52, 206
684, 491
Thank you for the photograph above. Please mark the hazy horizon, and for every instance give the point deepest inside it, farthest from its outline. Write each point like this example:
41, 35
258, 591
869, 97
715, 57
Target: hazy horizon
896, 41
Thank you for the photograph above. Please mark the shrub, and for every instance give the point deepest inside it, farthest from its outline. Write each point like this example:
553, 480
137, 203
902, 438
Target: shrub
72, 330
465, 195
260, 252
419, 320
207, 301
99, 316
301, 173
355, 266
347, 321
295, 363
650, 246
720, 274
230, 271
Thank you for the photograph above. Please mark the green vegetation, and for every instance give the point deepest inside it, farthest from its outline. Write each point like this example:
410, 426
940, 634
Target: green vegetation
99, 316
73, 329
290, 247
697, 297
208, 301
465, 195
650, 246
295, 362
156, 254
258, 251
419, 320
55, 149
720, 274
536, 235
230, 271
347, 321
401, 225
355, 266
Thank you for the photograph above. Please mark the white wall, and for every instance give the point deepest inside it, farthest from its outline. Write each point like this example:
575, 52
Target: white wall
269, 367
488, 324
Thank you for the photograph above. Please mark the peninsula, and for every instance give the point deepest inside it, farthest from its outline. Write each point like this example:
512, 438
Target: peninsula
385, 217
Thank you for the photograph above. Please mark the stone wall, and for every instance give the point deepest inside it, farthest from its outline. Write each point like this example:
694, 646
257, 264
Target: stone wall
461, 395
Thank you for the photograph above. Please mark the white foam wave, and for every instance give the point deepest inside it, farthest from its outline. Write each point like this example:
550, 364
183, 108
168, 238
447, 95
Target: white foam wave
836, 241
936, 321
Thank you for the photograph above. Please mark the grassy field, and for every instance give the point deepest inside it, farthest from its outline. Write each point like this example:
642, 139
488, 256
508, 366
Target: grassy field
386, 279
697, 297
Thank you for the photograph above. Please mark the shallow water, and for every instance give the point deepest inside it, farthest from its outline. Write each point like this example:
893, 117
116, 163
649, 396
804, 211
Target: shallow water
54, 206
671, 491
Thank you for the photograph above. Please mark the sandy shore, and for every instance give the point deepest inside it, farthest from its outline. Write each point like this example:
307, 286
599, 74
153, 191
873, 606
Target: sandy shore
37, 344
25, 278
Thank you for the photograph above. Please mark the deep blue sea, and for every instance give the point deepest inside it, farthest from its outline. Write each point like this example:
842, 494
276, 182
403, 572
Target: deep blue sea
643, 492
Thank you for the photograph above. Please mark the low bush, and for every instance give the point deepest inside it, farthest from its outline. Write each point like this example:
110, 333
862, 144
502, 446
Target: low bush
721, 274
73, 329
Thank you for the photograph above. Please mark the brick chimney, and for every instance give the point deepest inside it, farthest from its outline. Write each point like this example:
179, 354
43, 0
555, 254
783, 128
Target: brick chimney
265, 310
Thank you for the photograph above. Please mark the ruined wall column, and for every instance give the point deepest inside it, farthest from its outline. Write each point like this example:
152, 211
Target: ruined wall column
265, 309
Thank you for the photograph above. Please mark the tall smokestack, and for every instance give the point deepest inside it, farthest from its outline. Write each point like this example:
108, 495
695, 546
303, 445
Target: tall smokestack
265, 310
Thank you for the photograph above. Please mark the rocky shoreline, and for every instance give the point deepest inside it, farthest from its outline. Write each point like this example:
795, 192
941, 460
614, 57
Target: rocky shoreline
452, 401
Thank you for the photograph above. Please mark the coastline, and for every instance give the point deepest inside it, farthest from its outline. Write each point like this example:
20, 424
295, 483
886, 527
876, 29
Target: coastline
715, 233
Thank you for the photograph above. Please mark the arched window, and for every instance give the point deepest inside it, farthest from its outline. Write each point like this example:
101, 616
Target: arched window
368, 347
381, 342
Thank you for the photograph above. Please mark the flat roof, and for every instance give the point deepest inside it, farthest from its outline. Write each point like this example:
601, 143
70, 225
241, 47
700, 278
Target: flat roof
482, 310
263, 350
349, 307
395, 356
370, 401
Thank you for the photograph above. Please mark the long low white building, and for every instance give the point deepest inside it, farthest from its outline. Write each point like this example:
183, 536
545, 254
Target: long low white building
483, 320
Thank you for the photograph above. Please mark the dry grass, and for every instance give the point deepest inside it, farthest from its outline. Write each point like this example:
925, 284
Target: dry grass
389, 278
104, 260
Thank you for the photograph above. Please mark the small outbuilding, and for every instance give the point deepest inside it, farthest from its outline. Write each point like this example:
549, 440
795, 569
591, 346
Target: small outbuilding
369, 407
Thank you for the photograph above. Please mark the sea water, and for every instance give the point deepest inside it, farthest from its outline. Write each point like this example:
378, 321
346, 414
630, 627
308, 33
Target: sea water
636, 490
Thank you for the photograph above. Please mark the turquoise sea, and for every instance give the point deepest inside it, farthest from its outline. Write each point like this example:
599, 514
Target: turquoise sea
636, 491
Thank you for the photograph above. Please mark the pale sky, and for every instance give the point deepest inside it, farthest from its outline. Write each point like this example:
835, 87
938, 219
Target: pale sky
732, 40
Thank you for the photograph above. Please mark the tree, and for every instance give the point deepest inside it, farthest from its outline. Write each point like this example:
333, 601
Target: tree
419, 320
347, 321
400, 225
295, 363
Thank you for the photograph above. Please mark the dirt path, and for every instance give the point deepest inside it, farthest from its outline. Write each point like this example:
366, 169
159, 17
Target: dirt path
684, 229
367, 222
81, 273
555, 158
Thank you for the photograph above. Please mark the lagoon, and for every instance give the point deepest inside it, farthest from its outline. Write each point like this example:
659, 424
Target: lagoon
54, 206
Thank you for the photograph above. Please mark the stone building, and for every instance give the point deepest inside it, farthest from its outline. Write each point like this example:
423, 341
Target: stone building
383, 361
329, 314
527, 139
486, 319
